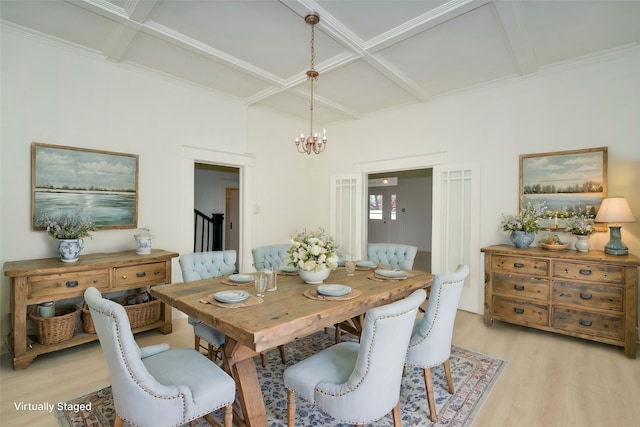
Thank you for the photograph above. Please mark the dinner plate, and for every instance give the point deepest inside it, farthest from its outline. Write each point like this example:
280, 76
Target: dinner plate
231, 297
333, 290
367, 264
392, 274
241, 278
288, 269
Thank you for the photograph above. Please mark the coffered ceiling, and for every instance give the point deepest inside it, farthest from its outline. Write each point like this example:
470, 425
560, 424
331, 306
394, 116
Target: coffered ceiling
371, 55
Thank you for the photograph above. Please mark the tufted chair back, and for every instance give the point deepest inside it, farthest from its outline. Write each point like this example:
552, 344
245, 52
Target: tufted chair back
271, 256
155, 385
394, 255
205, 265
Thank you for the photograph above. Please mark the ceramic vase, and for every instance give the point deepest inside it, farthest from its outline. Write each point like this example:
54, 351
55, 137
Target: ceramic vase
521, 239
144, 243
69, 249
583, 244
314, 277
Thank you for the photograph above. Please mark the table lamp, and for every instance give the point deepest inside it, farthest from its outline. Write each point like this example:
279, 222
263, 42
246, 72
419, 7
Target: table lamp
615, 209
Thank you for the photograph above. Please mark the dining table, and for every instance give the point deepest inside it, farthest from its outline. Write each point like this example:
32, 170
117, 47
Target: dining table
294, 310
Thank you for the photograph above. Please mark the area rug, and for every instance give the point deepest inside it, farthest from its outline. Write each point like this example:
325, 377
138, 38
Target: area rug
474, 374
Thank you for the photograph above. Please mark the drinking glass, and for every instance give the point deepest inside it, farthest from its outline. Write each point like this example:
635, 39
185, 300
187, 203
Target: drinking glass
272, 279
350, 266
260, 284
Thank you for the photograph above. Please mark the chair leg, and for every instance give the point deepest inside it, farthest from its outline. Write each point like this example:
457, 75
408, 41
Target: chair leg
447, 372
291, 408
283, 355
197, 342
397, 420
228, 415
263, 358
118, 421
428, 384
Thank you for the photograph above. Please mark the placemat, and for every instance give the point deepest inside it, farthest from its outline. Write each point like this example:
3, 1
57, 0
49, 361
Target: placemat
252, 300
374, 276
225, 280
313, 294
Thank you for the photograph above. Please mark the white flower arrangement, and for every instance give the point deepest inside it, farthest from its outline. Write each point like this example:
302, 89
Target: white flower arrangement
313, 251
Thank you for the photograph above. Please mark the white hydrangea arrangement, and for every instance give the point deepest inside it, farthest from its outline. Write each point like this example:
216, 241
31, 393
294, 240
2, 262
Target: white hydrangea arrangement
313, 251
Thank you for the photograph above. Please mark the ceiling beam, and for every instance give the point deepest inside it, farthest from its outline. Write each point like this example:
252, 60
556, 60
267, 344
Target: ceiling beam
519, 47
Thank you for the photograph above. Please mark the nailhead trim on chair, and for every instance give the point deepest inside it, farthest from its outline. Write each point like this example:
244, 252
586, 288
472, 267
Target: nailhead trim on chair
180, 395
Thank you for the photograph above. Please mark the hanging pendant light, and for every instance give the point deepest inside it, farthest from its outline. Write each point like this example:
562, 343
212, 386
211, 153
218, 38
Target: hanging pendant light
313, 143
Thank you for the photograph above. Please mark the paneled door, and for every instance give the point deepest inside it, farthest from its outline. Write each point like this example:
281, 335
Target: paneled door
382, 215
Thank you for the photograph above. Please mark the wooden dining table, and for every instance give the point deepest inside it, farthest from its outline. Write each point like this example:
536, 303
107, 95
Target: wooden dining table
279, 318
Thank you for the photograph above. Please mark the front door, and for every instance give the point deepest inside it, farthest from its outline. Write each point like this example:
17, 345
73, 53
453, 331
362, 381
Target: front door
383, 220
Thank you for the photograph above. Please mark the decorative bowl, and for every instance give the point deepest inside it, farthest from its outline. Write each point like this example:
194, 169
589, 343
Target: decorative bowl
554, 247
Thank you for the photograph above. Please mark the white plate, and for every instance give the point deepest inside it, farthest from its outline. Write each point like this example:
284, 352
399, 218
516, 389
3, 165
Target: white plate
231, 297
392, 274
367, 264
333, 290
241, 278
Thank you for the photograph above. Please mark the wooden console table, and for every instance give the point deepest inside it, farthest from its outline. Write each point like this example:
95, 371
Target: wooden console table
588, 295
39, 280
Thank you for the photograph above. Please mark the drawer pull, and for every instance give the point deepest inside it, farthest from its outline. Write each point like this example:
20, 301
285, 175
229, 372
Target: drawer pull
518, 287
156, 272
586, 322
585, 272
141, 274
124, 276
72, 283
585, 296
518, 265
518, 310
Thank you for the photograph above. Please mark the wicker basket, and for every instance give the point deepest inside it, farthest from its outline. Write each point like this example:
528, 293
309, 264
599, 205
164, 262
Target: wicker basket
139, 314
61, 327
87, 321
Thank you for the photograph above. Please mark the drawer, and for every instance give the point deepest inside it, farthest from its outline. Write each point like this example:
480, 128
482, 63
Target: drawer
588, 323
520, 265
66, 285
520, 287
588, 296
144, 274
589, 272
519, 311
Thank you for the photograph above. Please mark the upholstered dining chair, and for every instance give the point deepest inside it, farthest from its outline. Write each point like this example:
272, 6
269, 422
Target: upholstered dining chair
354, 382
270, 256
155, 385
206, 265
430, 343
393, 255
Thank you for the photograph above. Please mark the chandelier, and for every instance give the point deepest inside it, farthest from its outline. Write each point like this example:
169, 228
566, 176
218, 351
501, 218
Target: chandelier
312, 143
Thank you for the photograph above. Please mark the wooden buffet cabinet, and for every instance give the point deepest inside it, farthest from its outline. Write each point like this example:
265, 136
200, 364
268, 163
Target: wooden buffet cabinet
590, 295
39, 280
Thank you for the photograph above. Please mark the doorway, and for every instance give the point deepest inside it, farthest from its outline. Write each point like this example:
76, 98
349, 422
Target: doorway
400, 211
216, 191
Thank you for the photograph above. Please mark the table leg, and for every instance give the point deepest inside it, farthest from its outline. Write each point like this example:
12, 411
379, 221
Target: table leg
239, 363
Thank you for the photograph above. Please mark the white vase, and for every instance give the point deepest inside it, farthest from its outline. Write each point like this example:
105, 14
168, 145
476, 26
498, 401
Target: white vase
582, 243
69, 249
314, 277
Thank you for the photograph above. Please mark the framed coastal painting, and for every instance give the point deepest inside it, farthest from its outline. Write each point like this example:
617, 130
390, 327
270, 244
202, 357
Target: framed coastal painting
102, 185
570, 183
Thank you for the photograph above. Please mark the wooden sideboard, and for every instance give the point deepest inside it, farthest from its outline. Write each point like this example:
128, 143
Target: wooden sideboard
39, 280
588, 295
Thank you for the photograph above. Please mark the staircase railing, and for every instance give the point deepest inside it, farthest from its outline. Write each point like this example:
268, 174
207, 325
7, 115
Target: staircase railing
207, 232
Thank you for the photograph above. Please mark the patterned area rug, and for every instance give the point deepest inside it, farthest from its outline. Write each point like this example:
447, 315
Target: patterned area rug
474, 375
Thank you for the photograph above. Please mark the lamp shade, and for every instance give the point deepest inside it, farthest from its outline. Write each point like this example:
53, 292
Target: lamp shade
614, 209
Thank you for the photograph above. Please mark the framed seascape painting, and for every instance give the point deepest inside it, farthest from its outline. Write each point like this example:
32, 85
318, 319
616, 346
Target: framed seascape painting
102, 185
570, 183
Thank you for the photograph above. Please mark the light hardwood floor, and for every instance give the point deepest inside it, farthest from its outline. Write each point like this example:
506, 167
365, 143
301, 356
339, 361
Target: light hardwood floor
550, 380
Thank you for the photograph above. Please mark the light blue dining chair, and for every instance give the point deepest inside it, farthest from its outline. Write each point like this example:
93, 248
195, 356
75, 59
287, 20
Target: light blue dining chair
393, 255
206, 265
430, 343
270, 256
155, 385
354, 382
